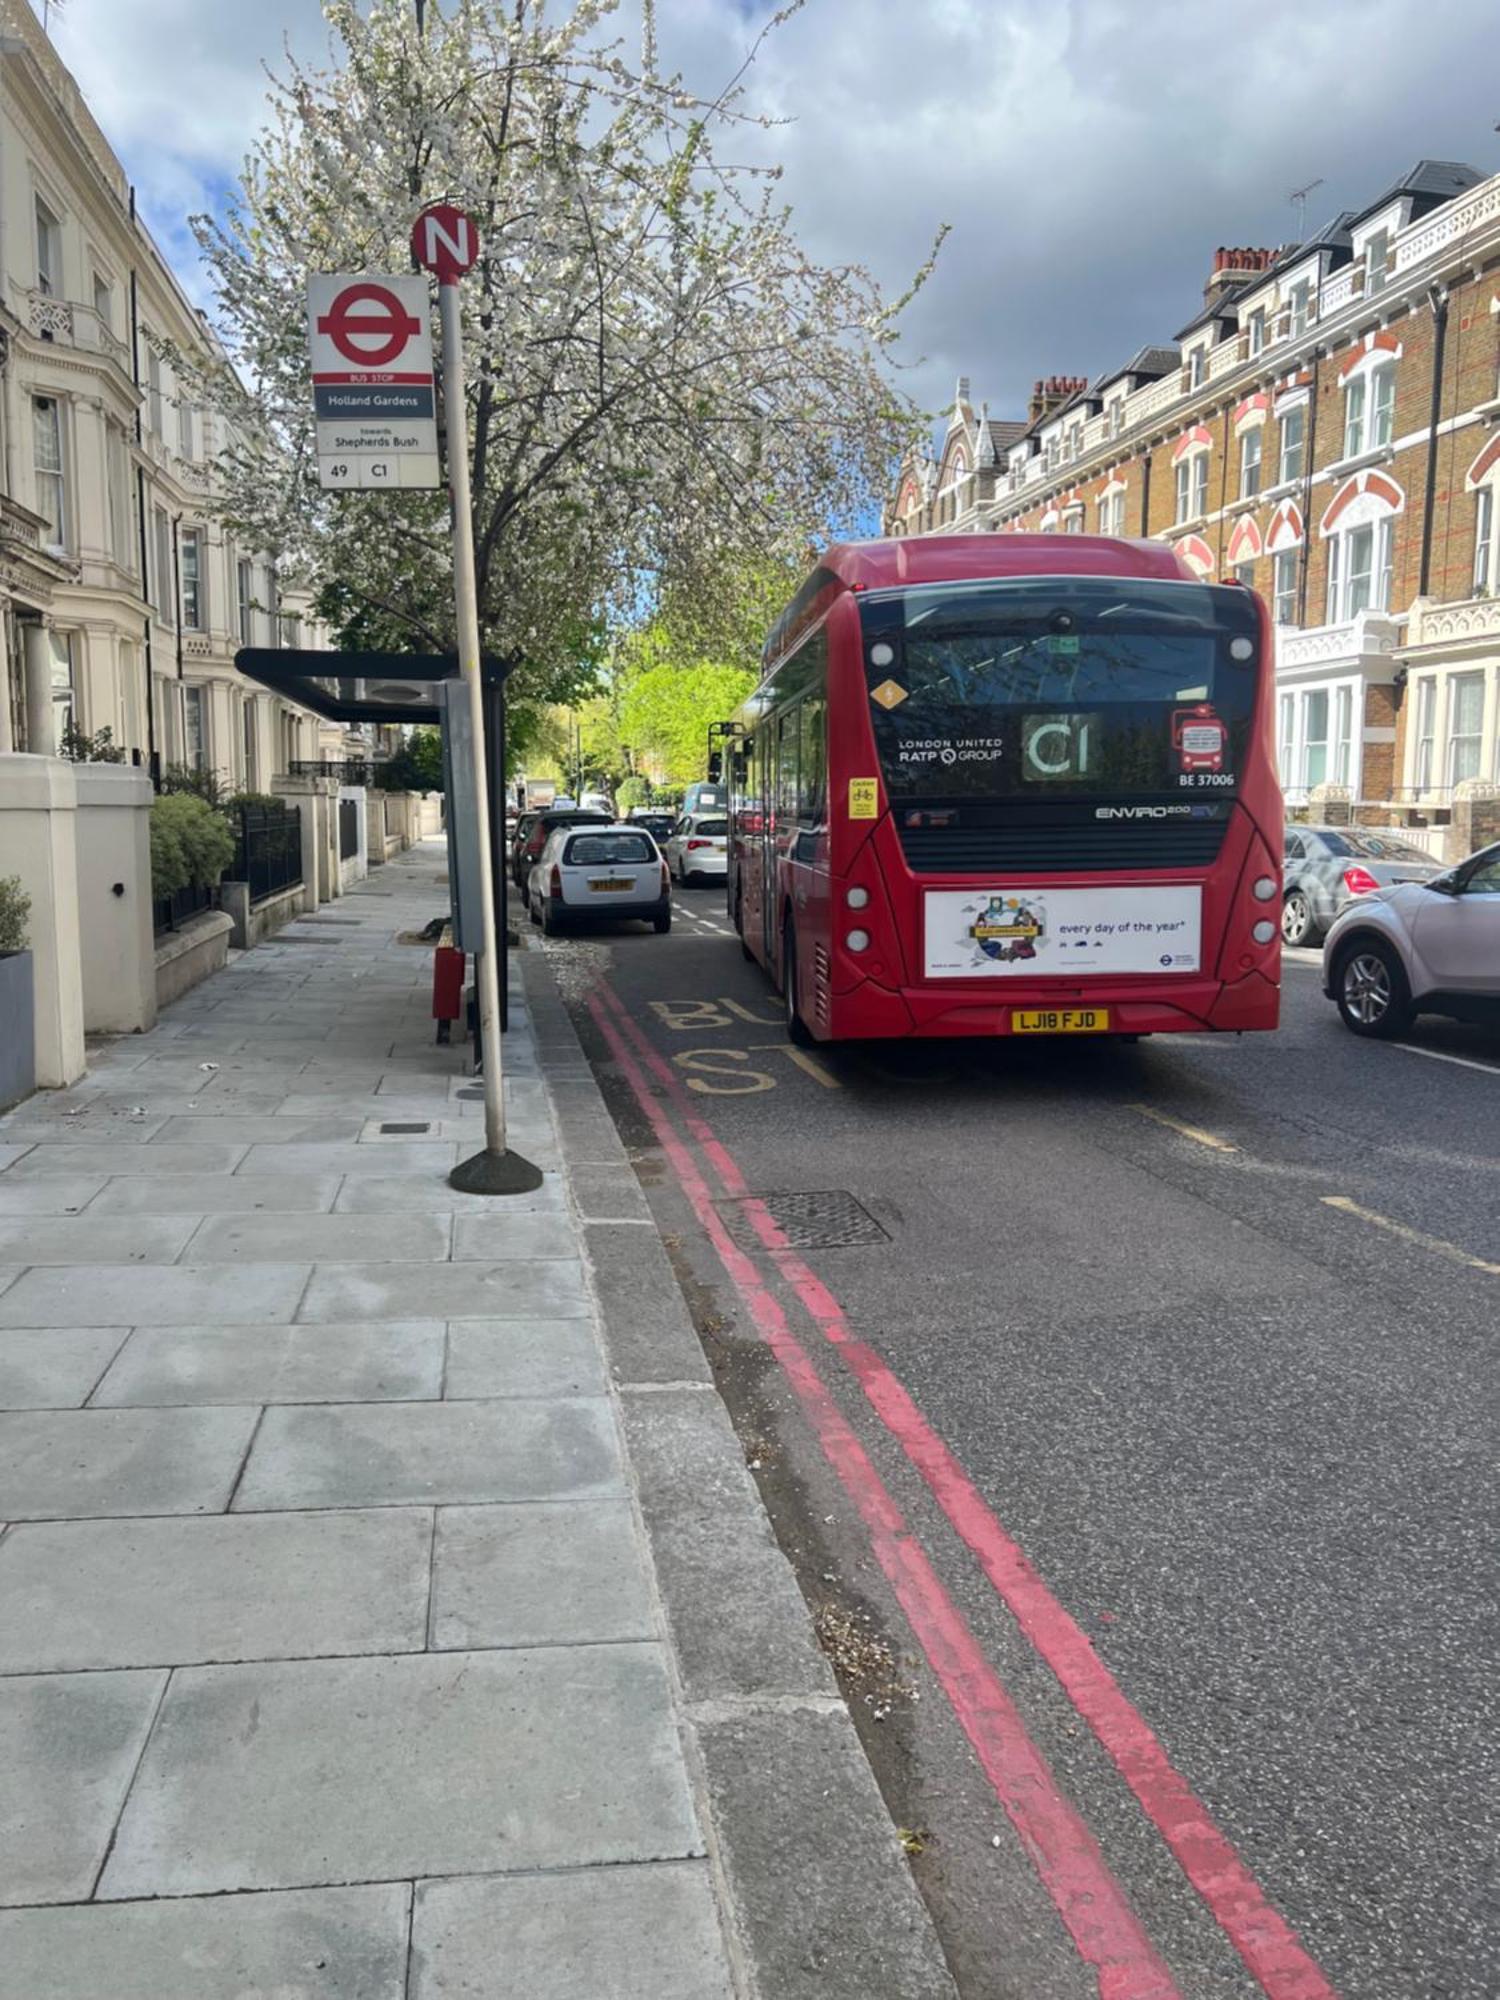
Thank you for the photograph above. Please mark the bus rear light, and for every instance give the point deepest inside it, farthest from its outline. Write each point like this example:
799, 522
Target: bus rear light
858, 940
857, 897
1359, 881
1263, 932
1263, 888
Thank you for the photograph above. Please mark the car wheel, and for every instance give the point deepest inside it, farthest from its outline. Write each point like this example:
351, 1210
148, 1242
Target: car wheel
662, 924
1371, 989
797, 1030
551, 923
533, 911
1298, 924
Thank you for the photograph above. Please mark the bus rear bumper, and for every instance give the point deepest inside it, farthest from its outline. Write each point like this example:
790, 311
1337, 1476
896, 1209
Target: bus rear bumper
1209, 1006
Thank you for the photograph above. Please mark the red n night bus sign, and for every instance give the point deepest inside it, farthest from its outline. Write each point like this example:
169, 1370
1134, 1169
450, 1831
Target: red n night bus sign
373, 398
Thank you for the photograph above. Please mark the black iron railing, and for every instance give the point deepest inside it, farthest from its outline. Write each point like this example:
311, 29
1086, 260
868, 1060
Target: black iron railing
267, 849
348, 770
168, 912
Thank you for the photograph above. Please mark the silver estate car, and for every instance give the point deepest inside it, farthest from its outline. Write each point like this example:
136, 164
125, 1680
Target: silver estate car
1419, 948
1327, 865
599, 872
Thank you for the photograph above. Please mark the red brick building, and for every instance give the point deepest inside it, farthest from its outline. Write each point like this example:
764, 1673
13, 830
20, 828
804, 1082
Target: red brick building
1327, 429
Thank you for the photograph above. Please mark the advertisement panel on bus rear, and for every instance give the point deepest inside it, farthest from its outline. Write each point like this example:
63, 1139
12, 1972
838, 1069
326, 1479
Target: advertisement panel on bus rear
1061, 933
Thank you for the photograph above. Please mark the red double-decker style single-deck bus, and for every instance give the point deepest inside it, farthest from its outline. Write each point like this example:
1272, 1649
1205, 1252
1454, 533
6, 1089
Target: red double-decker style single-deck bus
1011, 784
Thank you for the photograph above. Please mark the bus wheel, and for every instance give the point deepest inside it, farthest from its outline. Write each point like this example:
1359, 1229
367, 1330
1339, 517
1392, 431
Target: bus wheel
797, 1029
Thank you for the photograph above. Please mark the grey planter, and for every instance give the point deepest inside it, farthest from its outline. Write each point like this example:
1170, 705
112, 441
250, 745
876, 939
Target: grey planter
17, 1029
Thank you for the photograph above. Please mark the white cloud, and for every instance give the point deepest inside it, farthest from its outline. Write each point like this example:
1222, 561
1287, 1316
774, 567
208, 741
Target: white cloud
1089, 153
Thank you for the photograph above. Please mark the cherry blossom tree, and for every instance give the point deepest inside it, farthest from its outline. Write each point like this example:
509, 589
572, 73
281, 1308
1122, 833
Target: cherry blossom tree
663, 385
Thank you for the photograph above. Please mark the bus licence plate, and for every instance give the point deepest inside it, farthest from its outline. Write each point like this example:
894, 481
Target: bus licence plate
613, 883
1060, 1021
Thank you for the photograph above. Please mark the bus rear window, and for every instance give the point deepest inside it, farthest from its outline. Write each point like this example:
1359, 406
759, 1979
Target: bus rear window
1064, 685
591, 850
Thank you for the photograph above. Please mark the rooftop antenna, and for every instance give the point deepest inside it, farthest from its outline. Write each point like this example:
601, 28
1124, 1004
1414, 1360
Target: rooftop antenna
1298, 198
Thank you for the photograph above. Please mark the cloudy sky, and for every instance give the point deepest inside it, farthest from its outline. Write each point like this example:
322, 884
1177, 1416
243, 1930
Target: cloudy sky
1089, 154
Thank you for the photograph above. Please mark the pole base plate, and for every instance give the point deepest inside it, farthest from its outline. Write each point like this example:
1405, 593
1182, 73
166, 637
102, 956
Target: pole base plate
495, 1173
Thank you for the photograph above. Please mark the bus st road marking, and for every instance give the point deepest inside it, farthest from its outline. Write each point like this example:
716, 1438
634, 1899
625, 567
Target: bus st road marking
682, 1014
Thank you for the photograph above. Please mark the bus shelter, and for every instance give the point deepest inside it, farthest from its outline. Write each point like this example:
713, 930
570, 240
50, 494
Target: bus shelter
416, 688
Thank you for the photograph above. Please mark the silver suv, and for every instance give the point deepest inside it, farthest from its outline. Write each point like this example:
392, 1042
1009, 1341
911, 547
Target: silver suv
1419, 948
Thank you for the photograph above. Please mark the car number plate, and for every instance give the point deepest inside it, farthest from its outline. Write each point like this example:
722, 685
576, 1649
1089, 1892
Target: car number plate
1060, 1021
613, 883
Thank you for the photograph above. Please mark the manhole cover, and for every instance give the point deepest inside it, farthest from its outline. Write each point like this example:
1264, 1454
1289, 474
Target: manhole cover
406, 1128
829, 1219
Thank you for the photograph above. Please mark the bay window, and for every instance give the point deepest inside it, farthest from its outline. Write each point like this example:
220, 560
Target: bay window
1343, 734
1465, 726
1315, 737
246, 589
1426, 712
194, 595
192, 716
51, 489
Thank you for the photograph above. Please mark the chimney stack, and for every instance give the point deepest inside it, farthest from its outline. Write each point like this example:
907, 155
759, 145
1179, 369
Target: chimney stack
1234, 267
1050, 394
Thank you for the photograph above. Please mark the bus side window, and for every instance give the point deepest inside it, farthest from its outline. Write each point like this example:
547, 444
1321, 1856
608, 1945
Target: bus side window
812, 804
786, 770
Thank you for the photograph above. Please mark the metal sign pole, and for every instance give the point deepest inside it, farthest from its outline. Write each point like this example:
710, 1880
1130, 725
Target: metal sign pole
496, 1170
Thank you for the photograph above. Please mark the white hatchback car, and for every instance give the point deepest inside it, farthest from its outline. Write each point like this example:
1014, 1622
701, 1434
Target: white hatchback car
698, 847
1419, 948
589, 873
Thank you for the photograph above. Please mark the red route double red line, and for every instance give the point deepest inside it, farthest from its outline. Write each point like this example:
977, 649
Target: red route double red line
1067, 1857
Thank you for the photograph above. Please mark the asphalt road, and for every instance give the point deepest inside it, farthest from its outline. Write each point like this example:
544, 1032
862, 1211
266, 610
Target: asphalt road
1206, 1328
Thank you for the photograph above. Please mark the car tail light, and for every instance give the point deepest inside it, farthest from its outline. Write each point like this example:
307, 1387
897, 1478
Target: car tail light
698, 843
1359, 881
554, 883
666, 880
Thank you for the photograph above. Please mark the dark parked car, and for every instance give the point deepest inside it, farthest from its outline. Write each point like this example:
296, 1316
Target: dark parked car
1328, 866
531, 835
658, 824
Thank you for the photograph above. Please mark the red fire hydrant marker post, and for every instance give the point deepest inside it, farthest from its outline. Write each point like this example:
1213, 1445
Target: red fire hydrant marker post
445, 242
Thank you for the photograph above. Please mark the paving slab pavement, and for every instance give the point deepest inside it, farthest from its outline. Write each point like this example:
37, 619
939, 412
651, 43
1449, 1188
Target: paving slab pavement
376, 1622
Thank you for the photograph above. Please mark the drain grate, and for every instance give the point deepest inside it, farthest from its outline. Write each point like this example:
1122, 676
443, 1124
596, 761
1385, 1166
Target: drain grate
424, 1127
353, 923
827, 1219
